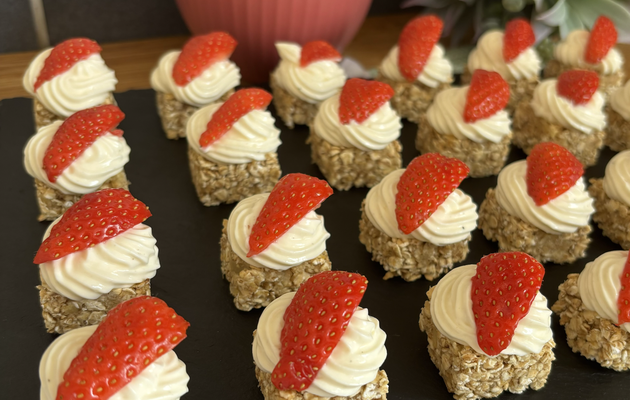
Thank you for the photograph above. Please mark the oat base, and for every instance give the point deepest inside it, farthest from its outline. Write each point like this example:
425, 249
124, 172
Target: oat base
521, 89
607, 83
290, 109
612, 216
44, 117
617, 131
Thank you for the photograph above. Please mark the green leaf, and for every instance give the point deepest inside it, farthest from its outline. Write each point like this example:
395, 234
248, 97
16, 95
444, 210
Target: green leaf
555, 15
589, 10
458, 56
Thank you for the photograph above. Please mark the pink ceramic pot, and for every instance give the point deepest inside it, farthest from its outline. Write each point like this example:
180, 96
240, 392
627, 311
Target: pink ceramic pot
258, 24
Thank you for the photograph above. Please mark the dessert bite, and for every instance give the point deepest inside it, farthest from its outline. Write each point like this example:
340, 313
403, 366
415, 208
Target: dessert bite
416, 67
593, 51
80, 155
198, 75
416, 222
335, 354
594, 309
129, 355
470, 123
67, 78
232, 148
95, 256
273, 242
354, 137
618, 113
612, 200
568, 111
304, 78
489, 327
540, 206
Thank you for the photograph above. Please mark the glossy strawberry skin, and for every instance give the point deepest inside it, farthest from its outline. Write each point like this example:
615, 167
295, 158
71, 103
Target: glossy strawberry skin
199, 53
577, 86
519, 36
488, 94
318, 50
416, 43
361, 98
64, 56
623, 299
603, 37
551, 171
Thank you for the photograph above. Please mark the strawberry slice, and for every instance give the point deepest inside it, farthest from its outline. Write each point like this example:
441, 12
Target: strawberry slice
603, 37
63, 56
519, 36
488, 94
502, 293
578, 86
314, 323
623, 299
424, 186
132, 336
318, 50
416, 43
551, 171
76, 134
199, 53
234, 108
294, 196
360, 98
97, 217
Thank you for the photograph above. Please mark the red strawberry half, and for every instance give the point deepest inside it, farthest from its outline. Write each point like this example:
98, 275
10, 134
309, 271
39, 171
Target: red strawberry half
294, 196
623, 299
76, 134
503, 291
64, 56
602, 38
578, 86
519, 36
97, 217
314, 323
426, 183
360, 98
488, 94
318, 50
132, 336
416, 43
551, 171
199, 53
235, 107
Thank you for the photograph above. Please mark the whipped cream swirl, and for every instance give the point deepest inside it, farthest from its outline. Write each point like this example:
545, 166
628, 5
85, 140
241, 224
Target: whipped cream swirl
206, 88
88, 83
354, 362
105, 158
452, 313
437, 70
302, 242
617, 178
375, 133
620, 101
163, 379
452, 222
249, 139
571, 52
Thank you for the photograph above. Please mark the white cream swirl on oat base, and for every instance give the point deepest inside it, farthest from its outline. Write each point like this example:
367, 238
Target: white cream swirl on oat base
314, 83
617, 178
437, 70
620, 101
354, 362
452, 314
86, 84
452, 222
375, 133
571, 52
446, 115
302, 242
105, 158
163, 379
249, 139
206, 88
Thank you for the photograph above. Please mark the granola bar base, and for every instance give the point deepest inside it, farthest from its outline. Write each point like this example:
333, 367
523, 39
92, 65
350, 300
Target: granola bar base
347, 167
229, 183
52, 203
612, 216
290, 109
514, 234
607, 83
471, 375
410, 258
520, 89
44, 116
254, 287
617, 130
592, 336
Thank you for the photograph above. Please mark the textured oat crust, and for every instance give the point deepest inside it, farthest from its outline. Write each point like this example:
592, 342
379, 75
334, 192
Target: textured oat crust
612, 216
290, 109
514, 234
617, 130
521, 89
410, 259
62, 314
52, 203
483, 159
607, 83
229, 183
592, 336
44, 117
254, 287
347, 167
411, 99
529, 130
471, 375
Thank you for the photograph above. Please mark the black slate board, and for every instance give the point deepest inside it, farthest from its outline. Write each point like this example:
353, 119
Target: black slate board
217, 351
